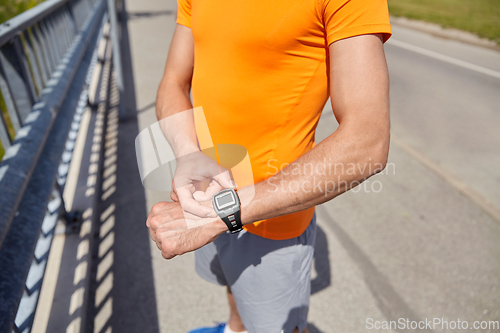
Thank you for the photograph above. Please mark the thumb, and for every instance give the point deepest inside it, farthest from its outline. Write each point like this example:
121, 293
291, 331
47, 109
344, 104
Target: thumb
173, 194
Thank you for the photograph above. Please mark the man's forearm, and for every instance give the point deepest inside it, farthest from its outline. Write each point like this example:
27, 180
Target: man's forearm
340, 162
179, 130
359, 90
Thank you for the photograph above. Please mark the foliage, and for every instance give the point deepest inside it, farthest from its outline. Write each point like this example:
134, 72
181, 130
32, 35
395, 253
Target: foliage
11, 8
481, 17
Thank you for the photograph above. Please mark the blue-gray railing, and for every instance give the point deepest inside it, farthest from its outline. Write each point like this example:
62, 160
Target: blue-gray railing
45, 54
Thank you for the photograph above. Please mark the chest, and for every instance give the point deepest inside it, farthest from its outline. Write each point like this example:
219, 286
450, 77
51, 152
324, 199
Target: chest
280, 25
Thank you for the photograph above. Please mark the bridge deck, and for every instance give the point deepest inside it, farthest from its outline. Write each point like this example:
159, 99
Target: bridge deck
418, 249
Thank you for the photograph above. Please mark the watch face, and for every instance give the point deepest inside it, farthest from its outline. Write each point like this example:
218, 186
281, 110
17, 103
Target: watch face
225, 200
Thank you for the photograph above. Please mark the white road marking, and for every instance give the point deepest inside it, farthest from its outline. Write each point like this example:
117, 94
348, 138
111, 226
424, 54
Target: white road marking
444, 58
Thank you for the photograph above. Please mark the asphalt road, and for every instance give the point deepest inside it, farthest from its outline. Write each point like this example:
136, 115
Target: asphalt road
416, 242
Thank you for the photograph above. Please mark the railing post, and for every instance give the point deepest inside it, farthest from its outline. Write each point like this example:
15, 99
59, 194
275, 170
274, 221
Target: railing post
49, 33
65, 27
33, 63
38, 53
72, 219
9, 99
117, 61
49, 58
25, 69
4, 134
50, 21
71, 18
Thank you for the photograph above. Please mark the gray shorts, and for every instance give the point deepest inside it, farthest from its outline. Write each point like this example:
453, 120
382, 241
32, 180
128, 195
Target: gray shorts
270, 279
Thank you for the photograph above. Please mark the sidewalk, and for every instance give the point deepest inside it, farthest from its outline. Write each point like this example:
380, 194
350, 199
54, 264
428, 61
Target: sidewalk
183, 299
416, 250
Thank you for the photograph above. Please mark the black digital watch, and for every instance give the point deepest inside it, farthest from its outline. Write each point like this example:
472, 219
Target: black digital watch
227, 205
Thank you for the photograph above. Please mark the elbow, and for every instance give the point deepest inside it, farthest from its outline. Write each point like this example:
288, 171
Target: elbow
379, 153
160, 99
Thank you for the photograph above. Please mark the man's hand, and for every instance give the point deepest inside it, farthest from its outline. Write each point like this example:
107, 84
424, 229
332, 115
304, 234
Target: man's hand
176, 232
192, 172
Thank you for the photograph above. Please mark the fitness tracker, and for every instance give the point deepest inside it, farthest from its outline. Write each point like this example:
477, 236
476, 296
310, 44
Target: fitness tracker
227, 205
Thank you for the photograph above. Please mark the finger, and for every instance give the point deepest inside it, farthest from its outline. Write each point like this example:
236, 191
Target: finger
184, 192
152, 234
168, 256
225, 180
199, 196
173, 193
202, 185
190, 205
213, 189
171, 246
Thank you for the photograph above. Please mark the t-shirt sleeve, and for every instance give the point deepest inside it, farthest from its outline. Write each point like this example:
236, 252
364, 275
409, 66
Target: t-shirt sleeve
184, 12
348, 18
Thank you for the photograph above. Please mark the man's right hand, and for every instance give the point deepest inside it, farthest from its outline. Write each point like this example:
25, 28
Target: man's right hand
176, 232
193, 172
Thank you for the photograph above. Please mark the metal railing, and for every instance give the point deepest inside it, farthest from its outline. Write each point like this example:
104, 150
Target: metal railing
32, 45
45, 56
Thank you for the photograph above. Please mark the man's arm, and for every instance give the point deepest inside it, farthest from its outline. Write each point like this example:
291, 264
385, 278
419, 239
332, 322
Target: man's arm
359, 90
173, 92
174, 111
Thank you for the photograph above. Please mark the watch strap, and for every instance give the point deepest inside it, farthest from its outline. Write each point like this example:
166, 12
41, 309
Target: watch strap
233, 222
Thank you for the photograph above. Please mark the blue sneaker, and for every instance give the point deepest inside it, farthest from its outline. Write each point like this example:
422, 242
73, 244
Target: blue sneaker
218, 329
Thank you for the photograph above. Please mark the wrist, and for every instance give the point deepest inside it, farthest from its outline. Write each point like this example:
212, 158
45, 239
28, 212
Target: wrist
184, 148
247, 201
219, 226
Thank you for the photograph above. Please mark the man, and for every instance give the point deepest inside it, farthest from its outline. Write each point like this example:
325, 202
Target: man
262, 71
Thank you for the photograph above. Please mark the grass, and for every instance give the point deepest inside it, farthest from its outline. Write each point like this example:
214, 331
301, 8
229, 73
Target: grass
11, 8
481, 17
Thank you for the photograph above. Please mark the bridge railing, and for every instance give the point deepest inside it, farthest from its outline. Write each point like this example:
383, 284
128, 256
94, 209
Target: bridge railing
46, 59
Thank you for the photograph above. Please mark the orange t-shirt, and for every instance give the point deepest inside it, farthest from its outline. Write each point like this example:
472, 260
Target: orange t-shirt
260, 74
